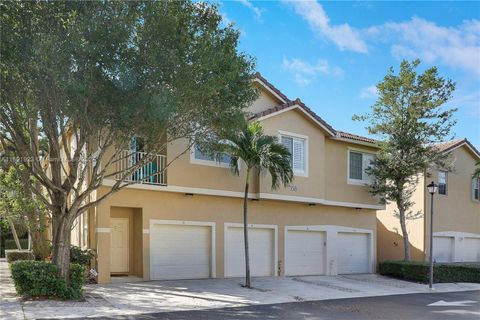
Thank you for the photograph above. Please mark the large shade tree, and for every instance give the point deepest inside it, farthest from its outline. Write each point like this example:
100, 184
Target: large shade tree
93, 74
410, 119
261, 153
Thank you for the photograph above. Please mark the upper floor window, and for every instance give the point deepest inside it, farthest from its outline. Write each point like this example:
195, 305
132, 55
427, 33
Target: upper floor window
442, 182
199, 157
476, 189
297, 145
358, 162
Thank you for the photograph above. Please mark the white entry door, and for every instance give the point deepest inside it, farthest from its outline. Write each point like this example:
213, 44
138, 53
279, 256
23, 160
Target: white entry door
261, 249
443, 249
304, 252
119, 245
471, 250
353, 253
180, 251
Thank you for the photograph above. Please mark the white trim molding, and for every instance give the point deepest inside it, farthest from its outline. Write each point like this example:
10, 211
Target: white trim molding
356, 181
210, 163
212, 225
287, 134
227, 225
178, 189
103, 230
257, 196
272, 196
269, 89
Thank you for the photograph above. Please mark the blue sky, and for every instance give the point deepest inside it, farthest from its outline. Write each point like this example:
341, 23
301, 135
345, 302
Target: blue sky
331, 54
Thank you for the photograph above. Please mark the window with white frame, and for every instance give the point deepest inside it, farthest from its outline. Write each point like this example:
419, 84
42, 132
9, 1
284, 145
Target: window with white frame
476, 189
442, 182
200, 157
297, 147
358, 162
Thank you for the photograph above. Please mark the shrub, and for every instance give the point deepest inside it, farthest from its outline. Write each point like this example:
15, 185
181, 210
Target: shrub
16, 255
419, 271
41, 279
82, 257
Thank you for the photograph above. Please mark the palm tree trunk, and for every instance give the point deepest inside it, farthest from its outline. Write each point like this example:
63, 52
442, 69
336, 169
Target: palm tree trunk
245, 231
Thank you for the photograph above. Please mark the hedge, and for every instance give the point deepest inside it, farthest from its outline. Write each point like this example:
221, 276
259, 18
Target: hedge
442, 272
16, 255
41, 279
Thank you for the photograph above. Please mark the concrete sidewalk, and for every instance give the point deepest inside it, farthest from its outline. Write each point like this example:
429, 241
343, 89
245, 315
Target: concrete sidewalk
180, 295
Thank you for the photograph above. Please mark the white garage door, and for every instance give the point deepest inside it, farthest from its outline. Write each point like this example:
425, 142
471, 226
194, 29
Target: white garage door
353, 253
304, 252
180, 251
261, 249
443, 249
471, 249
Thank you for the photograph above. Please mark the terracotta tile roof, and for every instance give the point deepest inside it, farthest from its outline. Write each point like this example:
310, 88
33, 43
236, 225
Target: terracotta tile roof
450, 145
272, 87
299, 103
352, 136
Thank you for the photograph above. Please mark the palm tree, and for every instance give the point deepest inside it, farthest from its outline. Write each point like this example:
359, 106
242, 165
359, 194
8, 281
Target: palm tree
476, 174
261, 153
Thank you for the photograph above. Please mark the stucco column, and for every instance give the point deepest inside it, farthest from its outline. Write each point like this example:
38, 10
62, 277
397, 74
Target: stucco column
103, 231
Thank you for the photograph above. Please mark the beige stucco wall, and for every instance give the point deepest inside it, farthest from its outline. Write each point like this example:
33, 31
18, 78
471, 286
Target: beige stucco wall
264, 101
177, 206
390, 245
454, 212
296, 123
337, 187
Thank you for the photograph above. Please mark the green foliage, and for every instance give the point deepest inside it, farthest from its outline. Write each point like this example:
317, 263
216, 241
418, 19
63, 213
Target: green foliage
105, 71
41, 279
418, 271
260, 152
81, 256
17, 255
409, 120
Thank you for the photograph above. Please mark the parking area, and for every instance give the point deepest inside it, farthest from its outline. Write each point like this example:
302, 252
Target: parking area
134, 298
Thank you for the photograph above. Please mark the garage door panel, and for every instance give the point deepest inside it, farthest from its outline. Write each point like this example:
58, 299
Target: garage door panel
471, 249
180, 251
353, 253
261, 250
304, 252
443, 249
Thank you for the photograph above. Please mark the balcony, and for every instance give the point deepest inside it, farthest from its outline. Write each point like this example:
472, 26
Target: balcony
153, 171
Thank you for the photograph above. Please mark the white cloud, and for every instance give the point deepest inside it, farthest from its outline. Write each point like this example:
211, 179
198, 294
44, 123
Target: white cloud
453, 46
256, 10
457, 47
369, 92
343, 35
305, 72
468, 101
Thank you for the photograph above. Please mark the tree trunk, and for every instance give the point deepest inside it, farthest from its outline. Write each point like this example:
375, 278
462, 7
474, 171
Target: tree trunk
403, 225
245, 232
15, 235
39, 233
61, 245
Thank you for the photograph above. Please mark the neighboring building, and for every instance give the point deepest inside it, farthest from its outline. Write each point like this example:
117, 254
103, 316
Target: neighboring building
187, 223
456, 221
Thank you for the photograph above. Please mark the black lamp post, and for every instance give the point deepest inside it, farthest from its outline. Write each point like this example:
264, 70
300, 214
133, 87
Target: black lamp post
432, 189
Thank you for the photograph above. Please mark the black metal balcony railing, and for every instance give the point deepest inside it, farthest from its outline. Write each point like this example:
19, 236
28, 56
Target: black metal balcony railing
151, 172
